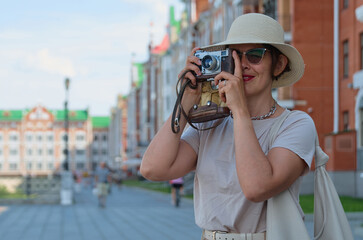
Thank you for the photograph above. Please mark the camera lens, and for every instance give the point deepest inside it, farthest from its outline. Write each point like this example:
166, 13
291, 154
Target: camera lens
209, 62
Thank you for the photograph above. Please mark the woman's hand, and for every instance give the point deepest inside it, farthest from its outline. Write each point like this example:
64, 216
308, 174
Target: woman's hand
191, 95
231, 88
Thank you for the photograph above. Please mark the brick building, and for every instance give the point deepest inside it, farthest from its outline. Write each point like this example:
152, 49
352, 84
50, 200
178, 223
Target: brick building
32, 141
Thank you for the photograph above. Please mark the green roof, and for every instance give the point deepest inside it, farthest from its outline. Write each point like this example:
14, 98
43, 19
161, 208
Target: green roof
77, 115
140, 73
12, 115
100, 122
18, 115
173, 22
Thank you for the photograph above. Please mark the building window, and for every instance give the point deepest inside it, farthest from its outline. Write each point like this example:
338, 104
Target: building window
80, 138
50, 152
13, 166
95, 152
345, 4
13, 152
29, 151
270, 8
40, 152
104, 152
345, 59
13, 137
65, 137
80, 152
345, 120
105, 138
29, 138
50, 166
39, 166
80, 165
95, 138
361, 51
29, 166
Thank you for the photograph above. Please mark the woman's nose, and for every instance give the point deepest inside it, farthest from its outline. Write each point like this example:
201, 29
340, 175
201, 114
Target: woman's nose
244, 61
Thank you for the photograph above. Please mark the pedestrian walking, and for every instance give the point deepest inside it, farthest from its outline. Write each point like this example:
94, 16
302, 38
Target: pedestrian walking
176, 190
102, 180
236, 168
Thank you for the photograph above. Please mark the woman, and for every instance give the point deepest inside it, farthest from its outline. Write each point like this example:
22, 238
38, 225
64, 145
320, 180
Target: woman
176, 190
236, 171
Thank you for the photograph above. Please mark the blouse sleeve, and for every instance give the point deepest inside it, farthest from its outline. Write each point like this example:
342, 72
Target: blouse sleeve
191, 136
298, 134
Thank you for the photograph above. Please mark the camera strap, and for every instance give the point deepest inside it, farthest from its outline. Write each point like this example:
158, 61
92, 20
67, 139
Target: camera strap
178, 108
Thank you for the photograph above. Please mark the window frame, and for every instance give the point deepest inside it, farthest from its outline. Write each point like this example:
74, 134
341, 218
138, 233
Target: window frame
345, 59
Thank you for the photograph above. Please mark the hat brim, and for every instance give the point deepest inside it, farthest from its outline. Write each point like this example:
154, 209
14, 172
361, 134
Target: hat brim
296, 61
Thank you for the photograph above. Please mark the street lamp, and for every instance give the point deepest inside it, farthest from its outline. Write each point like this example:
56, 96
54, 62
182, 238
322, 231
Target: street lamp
66, 127
67, 180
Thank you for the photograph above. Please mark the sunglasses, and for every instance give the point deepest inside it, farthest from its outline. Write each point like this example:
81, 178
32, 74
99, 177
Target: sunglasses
253, 56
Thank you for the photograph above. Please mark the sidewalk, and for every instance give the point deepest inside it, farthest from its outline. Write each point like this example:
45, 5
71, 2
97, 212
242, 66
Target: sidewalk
130, 213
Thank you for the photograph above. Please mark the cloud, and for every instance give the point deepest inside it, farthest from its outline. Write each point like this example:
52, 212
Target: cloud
92, 46
14, 35
44, 61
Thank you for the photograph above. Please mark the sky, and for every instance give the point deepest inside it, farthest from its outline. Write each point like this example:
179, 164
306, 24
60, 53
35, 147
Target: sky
91, 42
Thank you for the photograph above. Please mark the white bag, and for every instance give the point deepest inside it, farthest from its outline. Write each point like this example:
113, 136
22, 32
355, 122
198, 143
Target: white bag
283, 220
95, 191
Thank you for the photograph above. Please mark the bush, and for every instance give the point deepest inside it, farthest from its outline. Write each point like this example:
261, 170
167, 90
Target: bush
3, 190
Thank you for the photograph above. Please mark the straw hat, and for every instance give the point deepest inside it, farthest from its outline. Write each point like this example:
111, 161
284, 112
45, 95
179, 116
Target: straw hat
261, 29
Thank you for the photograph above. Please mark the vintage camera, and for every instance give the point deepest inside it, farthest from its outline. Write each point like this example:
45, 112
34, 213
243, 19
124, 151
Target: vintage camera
214, 62
211, 107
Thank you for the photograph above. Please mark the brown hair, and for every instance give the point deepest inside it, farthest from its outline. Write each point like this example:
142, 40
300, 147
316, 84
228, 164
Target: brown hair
275, 53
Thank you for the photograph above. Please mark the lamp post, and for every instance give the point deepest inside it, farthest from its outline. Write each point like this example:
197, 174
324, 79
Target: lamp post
66, 127
67, 180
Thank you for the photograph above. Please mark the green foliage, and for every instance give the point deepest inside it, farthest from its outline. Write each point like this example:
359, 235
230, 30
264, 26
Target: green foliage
4, 193
350, 204
155, 186
307, 203
3, 190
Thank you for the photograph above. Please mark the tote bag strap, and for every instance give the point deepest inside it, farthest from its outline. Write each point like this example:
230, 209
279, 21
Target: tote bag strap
283, 219
330, 221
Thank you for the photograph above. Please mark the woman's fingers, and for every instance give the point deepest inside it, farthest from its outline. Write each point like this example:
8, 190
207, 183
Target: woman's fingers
237, 65
222, 91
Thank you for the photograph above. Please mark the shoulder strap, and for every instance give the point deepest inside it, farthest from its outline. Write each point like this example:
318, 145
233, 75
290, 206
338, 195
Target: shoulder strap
330, 221
281, 209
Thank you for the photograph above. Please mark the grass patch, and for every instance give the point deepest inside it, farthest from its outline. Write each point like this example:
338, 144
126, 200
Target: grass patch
155, 186
163, 187
5, 194
350, 204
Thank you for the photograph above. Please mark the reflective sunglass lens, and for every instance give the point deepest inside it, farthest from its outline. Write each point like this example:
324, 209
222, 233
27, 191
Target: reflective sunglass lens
255, 56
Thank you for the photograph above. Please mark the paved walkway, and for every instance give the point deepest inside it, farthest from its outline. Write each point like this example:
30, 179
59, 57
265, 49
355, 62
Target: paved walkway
131, 213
